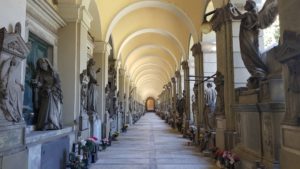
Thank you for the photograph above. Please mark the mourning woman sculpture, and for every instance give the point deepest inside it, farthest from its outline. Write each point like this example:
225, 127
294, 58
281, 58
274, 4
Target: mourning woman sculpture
92, 90
11, 90
251, 22
49, 100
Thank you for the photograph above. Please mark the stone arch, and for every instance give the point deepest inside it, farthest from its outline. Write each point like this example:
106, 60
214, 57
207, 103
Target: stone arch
95, 29
152, 46
150, 104
151, 30
156, 4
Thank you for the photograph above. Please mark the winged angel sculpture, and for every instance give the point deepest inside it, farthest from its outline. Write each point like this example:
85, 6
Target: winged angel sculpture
251, 22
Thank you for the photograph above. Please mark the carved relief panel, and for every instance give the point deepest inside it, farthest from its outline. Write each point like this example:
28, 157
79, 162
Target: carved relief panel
13, 50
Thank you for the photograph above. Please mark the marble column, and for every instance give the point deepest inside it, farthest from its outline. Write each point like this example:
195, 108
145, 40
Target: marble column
72, 42
187, 112
178, 80
121, 97
170, 108
174, 100
198, 54
101, 53
126, 101
225, 120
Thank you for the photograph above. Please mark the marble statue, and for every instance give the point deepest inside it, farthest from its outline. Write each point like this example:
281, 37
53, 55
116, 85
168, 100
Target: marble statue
84, 80
195, 101
210, 96
49, 101
219, 82
92, 87
251, 22
11, 90
111, 89
181, 104
13, 50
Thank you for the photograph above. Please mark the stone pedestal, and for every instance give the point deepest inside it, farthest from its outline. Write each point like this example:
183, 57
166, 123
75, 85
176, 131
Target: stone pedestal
12, 147
120, 122
84, 122
271, 90
220, 131
95, 126
248, 97
258, 133
48, 149
290, 148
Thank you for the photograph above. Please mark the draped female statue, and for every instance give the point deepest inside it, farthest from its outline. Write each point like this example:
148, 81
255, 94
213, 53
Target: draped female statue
92, 90
11, 90
49, 96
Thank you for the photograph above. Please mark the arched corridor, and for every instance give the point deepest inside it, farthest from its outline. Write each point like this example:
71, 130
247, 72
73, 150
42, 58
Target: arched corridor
152, 144
78, 75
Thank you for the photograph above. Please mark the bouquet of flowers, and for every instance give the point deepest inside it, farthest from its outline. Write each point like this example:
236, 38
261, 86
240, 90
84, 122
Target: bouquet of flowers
226, 159
75, 162
105, 142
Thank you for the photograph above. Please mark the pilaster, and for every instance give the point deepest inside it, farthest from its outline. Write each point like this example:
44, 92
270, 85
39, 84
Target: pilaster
73, 40
198, 54
185, 68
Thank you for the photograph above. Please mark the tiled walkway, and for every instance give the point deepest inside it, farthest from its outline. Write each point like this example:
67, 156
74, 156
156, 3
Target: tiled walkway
151, 144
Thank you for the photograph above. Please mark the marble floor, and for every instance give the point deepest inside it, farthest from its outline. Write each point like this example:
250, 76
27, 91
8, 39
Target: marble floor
151, 144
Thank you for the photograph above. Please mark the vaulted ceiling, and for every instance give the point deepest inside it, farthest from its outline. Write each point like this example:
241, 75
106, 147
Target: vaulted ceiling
150, 37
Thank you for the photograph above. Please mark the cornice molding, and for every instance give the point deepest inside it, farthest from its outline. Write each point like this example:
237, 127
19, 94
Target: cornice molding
43, 12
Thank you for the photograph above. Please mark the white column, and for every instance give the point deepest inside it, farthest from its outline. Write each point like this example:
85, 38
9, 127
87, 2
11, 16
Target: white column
101, 53
72, 51
121, 96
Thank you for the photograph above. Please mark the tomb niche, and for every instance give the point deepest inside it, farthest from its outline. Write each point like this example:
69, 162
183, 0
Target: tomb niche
13, 52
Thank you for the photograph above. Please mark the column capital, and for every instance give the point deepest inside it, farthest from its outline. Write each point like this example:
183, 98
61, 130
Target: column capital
196, 49
102, 47
185, 65
173, 80
177, 73
122, 72
73, 11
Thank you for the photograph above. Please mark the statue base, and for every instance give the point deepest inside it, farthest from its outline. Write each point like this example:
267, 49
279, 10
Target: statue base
250, 96
83, 122
258, 133
12, 147
271, 90
220, 132
95, 126
290, 148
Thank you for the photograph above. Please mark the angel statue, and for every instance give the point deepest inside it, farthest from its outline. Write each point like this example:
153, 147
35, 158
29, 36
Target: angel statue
251, 22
